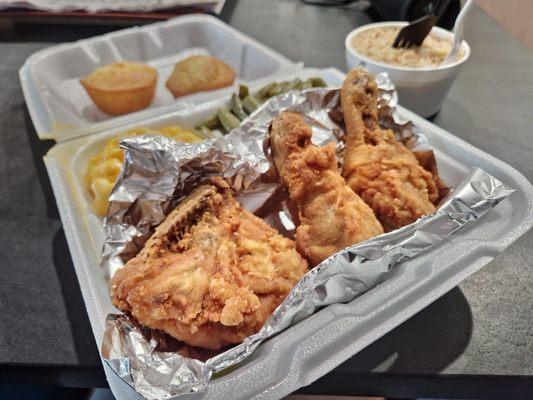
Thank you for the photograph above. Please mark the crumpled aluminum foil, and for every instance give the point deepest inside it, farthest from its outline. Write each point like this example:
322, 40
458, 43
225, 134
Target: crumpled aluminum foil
158, 172
169, 169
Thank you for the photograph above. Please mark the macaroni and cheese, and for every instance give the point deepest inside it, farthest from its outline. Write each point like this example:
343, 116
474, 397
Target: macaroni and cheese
103, 169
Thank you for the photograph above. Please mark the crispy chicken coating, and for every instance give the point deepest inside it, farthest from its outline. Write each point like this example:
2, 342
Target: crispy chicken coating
211, 274
380, 169
332, 217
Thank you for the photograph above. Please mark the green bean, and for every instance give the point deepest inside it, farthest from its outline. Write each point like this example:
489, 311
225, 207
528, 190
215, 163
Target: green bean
204, 131
250, 104
236, 107
227, 119
243, 103
243, 91
318, 82
278, 88
307, 84
263, 92
295, 84
212, 122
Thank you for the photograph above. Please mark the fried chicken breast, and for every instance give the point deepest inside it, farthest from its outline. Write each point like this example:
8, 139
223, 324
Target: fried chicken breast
380, 169
211, 274
332, 217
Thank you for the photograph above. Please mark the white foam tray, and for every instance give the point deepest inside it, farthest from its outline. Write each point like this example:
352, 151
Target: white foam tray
313, 347
60, 107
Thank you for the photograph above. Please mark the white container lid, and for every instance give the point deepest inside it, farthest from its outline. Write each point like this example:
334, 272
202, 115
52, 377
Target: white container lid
61, 109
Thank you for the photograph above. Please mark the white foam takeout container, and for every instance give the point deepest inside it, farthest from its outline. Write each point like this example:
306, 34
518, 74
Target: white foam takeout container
316, 345
60, 108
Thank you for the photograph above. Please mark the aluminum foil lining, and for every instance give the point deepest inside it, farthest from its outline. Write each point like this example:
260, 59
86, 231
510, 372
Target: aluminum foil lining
133, 354
158, 172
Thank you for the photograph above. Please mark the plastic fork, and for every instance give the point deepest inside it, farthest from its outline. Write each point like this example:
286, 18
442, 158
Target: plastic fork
457, 34
415, 33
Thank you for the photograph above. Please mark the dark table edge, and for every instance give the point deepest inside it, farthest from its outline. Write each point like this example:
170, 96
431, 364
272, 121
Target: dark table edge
64, 376
449, 386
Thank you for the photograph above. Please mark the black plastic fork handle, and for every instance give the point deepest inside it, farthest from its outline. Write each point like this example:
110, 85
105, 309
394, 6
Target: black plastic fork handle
402, 42
439, 7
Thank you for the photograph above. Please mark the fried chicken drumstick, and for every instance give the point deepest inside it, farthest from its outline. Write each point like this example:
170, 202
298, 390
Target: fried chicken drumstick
381, 170
211, 274
331, 215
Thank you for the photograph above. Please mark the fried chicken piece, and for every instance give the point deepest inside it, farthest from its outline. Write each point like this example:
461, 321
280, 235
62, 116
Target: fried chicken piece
211, 274
332, 217
380, 169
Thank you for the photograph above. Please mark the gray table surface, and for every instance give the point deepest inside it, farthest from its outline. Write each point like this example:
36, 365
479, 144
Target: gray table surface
483, 328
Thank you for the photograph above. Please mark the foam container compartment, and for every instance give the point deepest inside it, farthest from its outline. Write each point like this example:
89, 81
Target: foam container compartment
60, 107
316, 345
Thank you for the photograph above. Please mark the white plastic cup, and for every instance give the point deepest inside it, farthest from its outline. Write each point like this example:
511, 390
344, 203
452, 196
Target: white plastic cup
421, 90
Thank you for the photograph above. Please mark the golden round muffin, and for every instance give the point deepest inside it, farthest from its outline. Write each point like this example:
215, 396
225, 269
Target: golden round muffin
199, 73
122, 87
